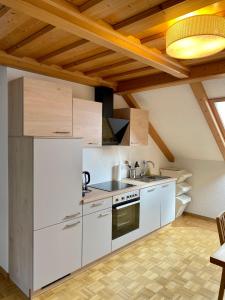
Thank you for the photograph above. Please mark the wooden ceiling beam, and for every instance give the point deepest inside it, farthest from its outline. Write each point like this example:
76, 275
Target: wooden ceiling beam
63, 15
30, 38
161, 13
62, 50
147, 13
4, 10
203, 101
133, 73
32, 65
197, 73
88, 4
109, 67
131, 102
87, 59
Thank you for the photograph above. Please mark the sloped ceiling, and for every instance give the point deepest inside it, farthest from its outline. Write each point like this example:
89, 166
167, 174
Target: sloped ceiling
179, 121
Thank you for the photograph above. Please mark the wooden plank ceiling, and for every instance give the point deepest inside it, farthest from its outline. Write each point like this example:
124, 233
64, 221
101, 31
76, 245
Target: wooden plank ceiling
116, 43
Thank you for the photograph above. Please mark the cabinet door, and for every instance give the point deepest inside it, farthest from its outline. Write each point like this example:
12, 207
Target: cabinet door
57, 181
167, 195
138, 127
47, 108
87, 121
97, 235
57, 252
150, 210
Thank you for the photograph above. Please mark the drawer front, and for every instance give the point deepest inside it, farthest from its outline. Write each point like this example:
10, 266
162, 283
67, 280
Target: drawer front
97, 235
57, 252
92, 207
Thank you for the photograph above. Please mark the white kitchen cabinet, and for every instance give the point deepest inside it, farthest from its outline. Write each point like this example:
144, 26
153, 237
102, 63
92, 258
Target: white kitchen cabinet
45, 195
57, 181
149, 209
97, 235
89, 208
57, 252
167, 196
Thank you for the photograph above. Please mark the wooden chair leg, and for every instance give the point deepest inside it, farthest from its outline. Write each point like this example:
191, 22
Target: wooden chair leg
222, 285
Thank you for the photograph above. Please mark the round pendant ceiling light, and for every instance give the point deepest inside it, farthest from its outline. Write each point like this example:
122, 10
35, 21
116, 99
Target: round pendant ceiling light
196, 37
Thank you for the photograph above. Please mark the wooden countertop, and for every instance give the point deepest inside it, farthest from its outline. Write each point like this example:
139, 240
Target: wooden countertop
96, 194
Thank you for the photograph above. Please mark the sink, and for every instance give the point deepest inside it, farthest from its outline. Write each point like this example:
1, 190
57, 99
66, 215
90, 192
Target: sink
151, 178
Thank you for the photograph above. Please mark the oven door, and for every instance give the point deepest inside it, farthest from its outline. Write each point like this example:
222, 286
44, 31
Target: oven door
125, 218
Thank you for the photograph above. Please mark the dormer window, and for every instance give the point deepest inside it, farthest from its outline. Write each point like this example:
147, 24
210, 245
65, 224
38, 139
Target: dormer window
218, 109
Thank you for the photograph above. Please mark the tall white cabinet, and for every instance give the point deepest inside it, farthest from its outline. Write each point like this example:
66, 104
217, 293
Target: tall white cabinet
45, 210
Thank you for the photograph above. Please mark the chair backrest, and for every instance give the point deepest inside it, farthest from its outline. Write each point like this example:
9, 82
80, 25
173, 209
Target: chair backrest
220, 221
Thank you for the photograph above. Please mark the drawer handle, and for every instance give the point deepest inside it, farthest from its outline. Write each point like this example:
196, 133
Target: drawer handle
150, 190
163, 186
96, 204
71, 225
71, 216
61, 132
103, 215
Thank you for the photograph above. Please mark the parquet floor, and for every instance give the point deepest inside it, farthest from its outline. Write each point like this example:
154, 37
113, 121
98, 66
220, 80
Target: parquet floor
172, 263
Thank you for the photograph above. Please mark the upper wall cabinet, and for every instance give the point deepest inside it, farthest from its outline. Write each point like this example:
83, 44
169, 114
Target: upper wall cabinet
87, 122
39, 108
137, 130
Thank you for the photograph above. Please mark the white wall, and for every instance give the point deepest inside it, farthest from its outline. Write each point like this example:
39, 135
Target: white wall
175, 113
3, 169
208, 181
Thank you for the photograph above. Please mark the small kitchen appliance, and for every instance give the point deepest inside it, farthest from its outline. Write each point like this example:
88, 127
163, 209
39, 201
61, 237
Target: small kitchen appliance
86, 180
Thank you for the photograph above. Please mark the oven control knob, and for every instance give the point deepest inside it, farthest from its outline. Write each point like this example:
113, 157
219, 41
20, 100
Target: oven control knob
117, 200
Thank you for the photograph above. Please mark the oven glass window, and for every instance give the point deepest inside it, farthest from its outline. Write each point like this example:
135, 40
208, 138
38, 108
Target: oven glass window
125, 220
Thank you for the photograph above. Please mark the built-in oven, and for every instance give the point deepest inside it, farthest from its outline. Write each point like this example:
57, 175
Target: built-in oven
125, 213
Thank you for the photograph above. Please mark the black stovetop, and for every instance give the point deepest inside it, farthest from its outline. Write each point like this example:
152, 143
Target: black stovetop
111, 186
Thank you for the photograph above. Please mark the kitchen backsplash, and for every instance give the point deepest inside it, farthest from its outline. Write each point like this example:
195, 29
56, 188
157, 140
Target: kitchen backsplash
100, 161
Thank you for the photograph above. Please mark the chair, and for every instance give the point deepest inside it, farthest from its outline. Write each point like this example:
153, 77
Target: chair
220, 221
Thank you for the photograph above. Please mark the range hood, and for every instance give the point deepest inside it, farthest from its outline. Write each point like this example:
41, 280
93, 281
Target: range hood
113, 129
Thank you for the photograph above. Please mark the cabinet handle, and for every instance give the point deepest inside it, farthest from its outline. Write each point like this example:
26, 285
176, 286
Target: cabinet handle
163, 186
150, 190
62, 132
96, 204
71, 225
93, 143
103, 215
71, 216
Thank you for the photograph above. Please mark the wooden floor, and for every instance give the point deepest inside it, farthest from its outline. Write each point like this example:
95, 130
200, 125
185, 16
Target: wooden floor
172, 263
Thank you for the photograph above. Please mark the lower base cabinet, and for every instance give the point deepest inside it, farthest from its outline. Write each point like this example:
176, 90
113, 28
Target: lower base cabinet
57, 252
97, 235
149, 210
168, 202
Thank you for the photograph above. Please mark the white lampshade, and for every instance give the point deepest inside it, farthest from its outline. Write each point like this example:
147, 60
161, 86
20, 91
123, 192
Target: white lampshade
196, 37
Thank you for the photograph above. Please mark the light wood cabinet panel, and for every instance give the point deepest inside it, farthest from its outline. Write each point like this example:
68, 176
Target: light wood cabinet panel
137, 130
87, 122
57, 252
97, 235
39, 108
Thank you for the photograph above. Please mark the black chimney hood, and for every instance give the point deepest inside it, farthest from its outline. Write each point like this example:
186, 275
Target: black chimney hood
113, 129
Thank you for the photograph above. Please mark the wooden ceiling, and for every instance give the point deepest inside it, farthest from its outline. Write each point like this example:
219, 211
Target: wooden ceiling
116, 43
